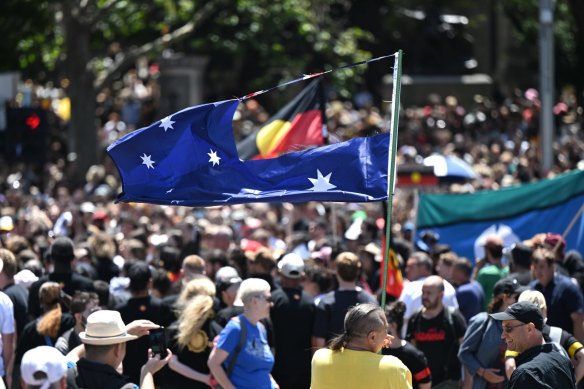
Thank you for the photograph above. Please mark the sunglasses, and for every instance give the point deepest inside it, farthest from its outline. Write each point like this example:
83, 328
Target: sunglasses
508, 329
267, 298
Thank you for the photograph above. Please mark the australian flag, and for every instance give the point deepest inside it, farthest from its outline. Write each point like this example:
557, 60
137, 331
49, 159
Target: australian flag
190, 159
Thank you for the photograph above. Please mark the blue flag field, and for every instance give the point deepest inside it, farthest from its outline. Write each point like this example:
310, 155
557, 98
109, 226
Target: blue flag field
516, 213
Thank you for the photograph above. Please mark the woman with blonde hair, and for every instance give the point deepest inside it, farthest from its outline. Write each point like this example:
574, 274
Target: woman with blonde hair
573, 348
352, 359
45, 330
191, 336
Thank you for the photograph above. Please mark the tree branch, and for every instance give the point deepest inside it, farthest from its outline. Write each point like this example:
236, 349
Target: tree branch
166, 40
100, 13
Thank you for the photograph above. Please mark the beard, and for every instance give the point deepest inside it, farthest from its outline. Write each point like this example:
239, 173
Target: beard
429, 304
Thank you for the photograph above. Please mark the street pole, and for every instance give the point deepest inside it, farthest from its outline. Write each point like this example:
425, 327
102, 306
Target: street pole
546, 79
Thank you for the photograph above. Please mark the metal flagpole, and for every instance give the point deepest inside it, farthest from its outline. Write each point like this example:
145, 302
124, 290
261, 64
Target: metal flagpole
397, 70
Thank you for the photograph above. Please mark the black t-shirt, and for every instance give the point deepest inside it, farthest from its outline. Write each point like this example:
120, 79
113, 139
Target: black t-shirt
415, 361
70, 283
293, 319
149, 308
194, 355
225, 314
438, 338
95, 375
542, 367
30, 338
19, 297
332, 308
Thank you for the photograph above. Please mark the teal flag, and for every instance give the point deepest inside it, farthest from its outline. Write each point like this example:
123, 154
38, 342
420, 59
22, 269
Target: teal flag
515, 213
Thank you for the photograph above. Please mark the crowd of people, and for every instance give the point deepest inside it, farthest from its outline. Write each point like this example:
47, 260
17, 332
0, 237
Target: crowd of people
247, 294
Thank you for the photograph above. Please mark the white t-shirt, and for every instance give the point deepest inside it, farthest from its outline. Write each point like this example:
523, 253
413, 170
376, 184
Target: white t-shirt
412, 297
6, 323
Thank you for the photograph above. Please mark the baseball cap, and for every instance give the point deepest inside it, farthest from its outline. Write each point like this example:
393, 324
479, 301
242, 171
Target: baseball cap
507, 286
291, 265
225, 277
62, 249
523, 311
555, 240
44, 359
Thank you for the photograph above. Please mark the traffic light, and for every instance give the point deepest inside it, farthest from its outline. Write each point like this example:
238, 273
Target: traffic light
25, 137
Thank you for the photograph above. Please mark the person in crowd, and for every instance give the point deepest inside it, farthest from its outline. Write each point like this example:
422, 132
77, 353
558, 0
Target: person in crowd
437, 331
563, 298
352, 359
43, 367
418, 268
50, 326
227, 281
539, 364
414, 359
82, 305
104, 348
190, 337
141, 306
482, 352
62, 253
444, 266
7, 337
17, 293
190, 267
261, 264
317, 282
469, 293
215, 259
242, 358
520, 263
490, 269
370, 256
332, 308
574, 349
293, 319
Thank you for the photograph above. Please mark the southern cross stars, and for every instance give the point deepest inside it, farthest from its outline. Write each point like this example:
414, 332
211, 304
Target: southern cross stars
166, 123
214, 158
321, 183
147, 161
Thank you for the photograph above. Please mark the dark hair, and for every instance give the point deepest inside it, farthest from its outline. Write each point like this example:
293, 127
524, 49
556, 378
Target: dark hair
139, 275
395, 314
360, 320
160, 281
463, 265
81, 299
321, 276
423, 259
170, 258
102, 290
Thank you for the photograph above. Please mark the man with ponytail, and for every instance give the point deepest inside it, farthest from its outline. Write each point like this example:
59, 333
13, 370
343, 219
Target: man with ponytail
352, 359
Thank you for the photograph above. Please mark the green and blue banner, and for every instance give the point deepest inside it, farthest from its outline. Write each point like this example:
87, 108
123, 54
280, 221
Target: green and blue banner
515, 213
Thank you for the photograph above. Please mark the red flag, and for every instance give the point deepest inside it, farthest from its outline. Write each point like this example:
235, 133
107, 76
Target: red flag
395, 281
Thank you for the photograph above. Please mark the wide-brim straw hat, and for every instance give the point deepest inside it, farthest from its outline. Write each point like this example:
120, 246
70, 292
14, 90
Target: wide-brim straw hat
105, 328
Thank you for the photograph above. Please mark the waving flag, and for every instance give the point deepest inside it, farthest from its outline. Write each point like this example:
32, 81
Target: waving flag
190, 159
517, 213
299, 124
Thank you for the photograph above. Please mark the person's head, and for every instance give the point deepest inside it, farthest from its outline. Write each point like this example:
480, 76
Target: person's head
522, 326
432, 292
215, 260
191, 265
8, 267
262, 262
543, 265
521, 257
536, 298
43, 367
227, 281
103, 292
196, 304
418, 265
256, 297
370, 256
557, 244
105, 338
493, 248
395, 317
505, 293
318, 280
461, 271
170, 258
160, 283
82, 305
140, 277
291, 269
62, 251
347, 266
445, 264
199, 285
365, 326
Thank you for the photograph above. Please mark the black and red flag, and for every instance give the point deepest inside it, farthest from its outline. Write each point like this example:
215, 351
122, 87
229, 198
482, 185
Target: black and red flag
301, 123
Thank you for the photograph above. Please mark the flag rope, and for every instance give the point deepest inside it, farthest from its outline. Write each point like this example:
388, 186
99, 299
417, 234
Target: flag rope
313, 75
395, 101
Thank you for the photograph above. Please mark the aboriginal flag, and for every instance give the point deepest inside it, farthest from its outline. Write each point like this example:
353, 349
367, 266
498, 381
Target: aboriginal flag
299, 124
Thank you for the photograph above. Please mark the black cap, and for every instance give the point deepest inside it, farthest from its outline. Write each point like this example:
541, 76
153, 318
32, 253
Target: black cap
523, 311
62, 249
508, 286
521, 255
139, 275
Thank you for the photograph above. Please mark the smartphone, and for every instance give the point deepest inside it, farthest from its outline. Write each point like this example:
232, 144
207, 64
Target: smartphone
157, 340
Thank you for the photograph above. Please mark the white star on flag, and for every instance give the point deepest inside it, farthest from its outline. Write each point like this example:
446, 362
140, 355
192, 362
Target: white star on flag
170, 190
214, 158
321, 183
147, 161
166, 123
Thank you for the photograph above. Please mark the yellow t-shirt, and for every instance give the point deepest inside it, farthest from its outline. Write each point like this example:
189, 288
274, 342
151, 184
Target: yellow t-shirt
358, 369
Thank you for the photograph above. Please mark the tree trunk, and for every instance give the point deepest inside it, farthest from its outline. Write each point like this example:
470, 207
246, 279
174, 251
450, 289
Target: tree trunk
83, 130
